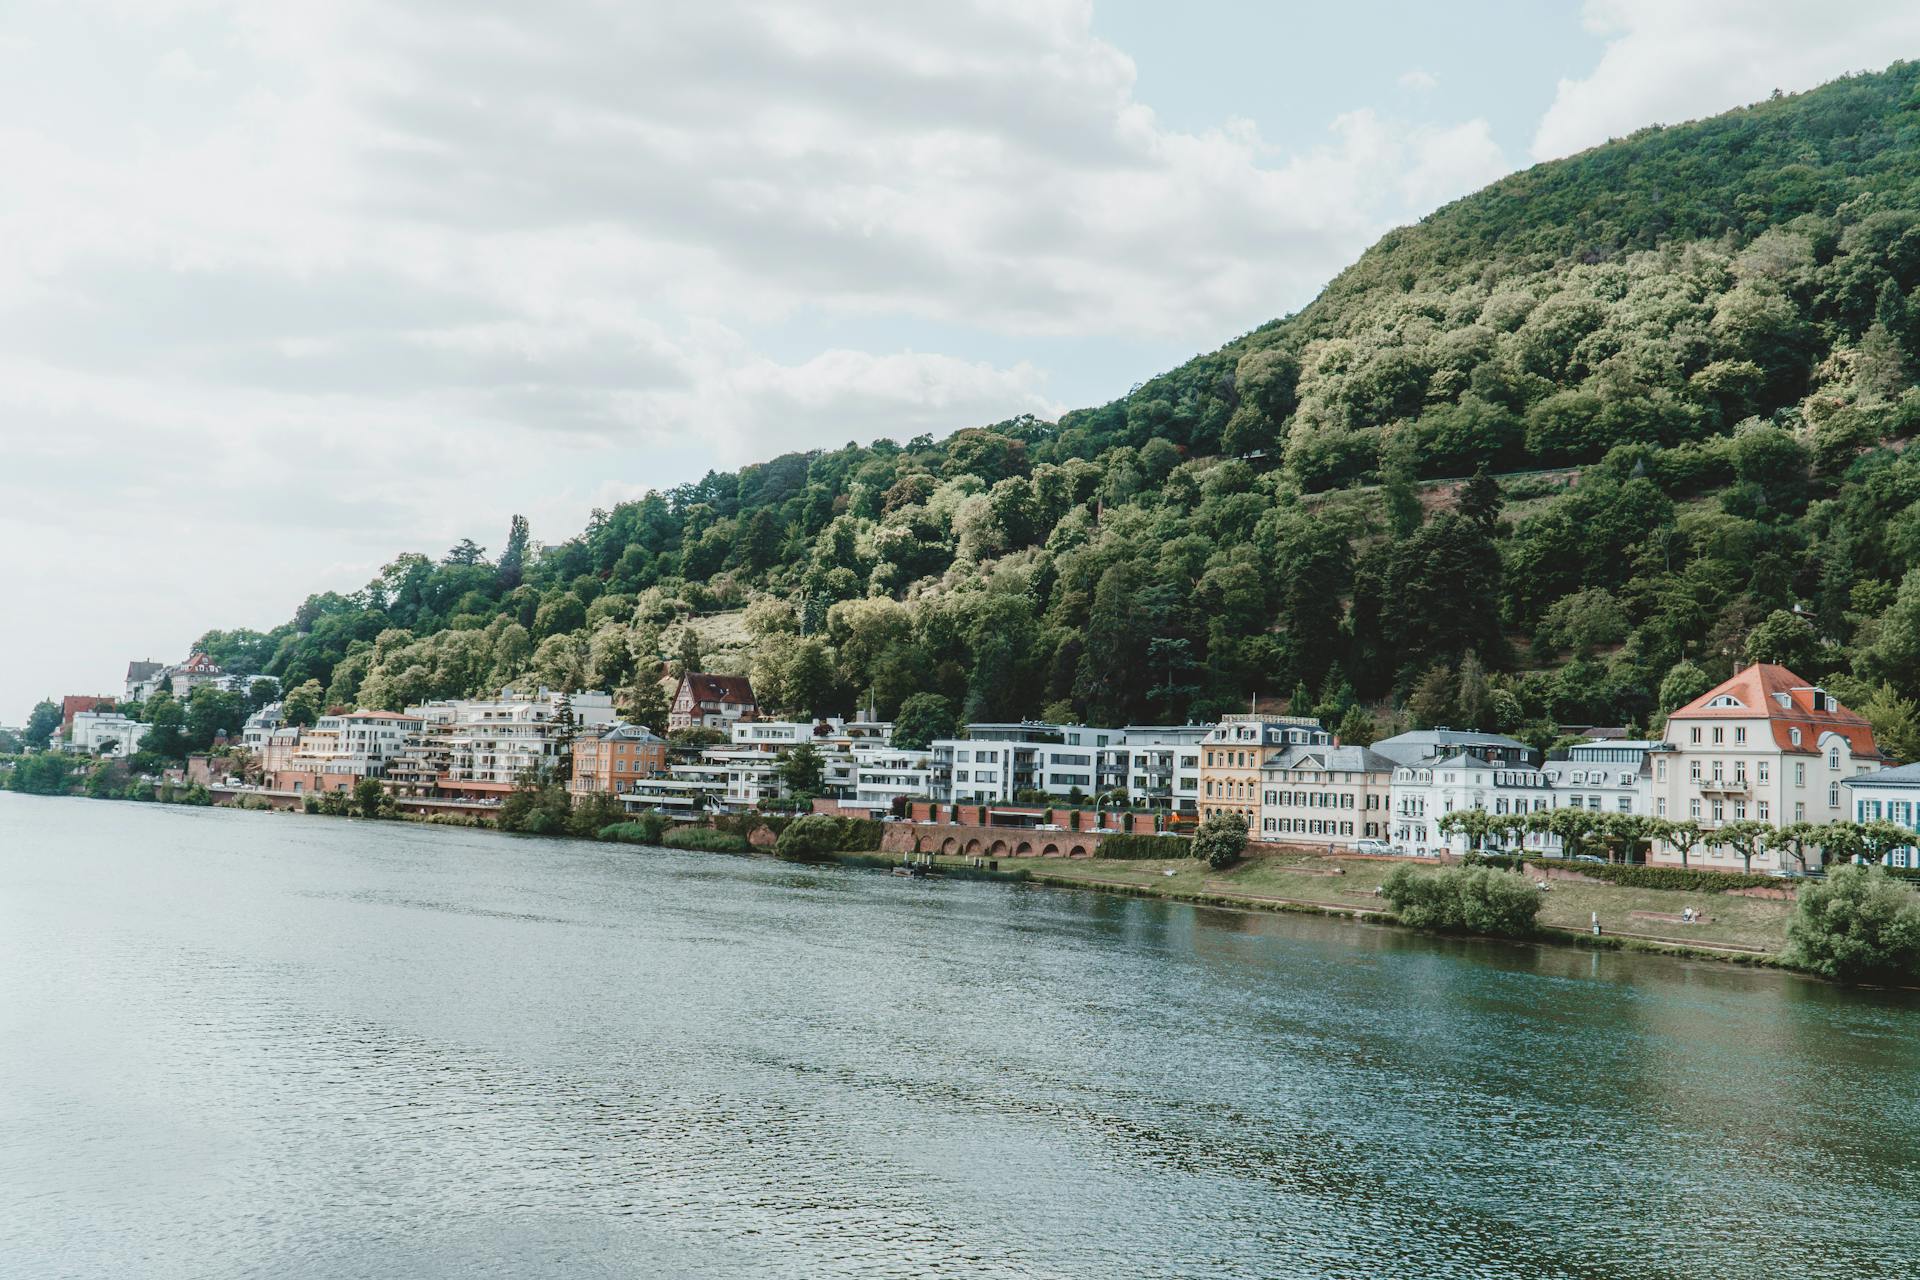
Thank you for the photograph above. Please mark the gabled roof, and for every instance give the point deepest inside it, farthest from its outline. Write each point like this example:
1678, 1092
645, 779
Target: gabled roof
199, 664
1465, 760
139, 671
1787, 702
706, 687
1334, 759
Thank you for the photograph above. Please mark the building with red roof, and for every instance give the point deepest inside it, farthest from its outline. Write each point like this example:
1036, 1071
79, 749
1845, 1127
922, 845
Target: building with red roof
709, 701
1762, 745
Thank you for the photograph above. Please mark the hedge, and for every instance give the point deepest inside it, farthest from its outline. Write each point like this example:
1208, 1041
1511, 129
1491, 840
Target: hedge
819, 833
1138, 847
705, 839
645, 829
1688, 880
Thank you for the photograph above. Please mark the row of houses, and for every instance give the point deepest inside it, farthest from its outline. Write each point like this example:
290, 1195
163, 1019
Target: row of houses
1763, 745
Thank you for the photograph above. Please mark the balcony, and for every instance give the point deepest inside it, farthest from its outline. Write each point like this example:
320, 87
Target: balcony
1725, 787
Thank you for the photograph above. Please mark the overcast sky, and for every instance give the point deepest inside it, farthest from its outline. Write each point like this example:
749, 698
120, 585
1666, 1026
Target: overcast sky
286, 289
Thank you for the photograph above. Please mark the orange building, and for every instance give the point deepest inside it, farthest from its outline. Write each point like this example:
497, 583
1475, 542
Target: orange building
616, 758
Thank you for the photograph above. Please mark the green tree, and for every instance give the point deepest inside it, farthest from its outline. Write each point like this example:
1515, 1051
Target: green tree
1221, 839
1895, 721
41, 723
1682, 684
647, 703
1857, 925
1463, 900
304, 703
922, 718
1685, 837
1748, 837
1786, 639
804, 771
1358, 728
369, 797
513, 561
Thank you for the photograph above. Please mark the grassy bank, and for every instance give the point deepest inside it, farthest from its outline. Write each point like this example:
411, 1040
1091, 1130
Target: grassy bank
1736, 927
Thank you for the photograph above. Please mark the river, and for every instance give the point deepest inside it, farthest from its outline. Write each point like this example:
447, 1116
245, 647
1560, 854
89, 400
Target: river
248, 1044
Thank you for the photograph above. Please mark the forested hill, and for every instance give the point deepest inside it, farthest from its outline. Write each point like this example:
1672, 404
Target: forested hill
1685, 359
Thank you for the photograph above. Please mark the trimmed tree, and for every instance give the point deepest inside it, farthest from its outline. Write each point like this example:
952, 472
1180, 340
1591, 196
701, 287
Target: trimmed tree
1221, 839
1857, 925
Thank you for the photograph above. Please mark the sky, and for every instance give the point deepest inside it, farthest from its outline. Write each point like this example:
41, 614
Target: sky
288, 289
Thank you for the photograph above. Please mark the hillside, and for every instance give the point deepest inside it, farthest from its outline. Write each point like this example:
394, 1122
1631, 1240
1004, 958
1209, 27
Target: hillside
1690, 351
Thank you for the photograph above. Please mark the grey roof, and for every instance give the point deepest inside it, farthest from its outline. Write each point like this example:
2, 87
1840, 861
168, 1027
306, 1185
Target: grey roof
143, 670
1424, 744
632, 733
1345, 759
1464, 760
1906, 775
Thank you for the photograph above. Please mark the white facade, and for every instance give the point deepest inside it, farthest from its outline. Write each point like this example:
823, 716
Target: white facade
685, 789
490, 744
1607, 777
884, 773
93, 730
1157, 765
1889, 795
358, 744
1325, 794
995, 763
1424, 793
1761, 746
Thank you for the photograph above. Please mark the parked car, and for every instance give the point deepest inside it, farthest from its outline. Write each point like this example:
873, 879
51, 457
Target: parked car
1374, 846
1588, 857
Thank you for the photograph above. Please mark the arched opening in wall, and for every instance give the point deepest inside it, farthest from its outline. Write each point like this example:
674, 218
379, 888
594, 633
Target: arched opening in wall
1078, 851
973, 847
1050, 851
1024, 849
998, 849
948, 846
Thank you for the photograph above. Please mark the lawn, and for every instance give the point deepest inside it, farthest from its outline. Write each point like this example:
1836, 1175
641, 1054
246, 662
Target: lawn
1348, 883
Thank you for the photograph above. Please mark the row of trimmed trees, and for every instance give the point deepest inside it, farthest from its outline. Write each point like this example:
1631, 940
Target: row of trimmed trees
1624, 836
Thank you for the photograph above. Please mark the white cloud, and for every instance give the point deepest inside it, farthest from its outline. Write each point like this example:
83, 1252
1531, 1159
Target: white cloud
1666, 63
1419, 81
295, 287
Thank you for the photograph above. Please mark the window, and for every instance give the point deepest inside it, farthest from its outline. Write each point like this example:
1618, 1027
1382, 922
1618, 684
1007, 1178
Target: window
1799, 773
1693, 807
1799, 811
1660, 807
1795, 735
1719, 735
1693, 770
1717, 767
1660, 769
1833, 796
1626, 804
1833, 757
1760, 811
1719, 810
1740, 810
1696, 733
1739, 733
1765, 770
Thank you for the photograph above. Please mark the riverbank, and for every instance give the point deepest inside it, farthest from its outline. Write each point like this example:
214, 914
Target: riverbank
1736, 928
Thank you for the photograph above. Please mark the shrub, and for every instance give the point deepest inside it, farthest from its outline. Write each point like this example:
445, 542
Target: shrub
1464, 900
819, 833
1858, 925
705, 839
645, 829
1221, 840
1136, 847
594, 812
1684, 880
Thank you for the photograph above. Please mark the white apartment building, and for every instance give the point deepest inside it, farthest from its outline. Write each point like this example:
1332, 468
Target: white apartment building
1765, 746
1424, 793
1325, 794
883, 773
1607, 777
490, 744
995, 763
685, 790
106, 733
259, 728
353, 744
1158, 766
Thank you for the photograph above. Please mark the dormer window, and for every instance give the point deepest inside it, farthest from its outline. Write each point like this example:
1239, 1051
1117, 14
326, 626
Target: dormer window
1796, 737
1726, 700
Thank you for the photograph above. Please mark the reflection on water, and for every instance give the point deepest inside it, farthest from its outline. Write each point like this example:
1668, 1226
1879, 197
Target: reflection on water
244, 1044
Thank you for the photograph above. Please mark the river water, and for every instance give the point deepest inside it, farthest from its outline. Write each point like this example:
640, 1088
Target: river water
240, 1044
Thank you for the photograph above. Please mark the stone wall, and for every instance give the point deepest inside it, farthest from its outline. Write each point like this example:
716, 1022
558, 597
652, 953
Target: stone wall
955, 839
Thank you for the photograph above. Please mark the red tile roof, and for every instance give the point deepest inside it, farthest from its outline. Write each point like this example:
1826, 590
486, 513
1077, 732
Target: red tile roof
1769, 690
712, 688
